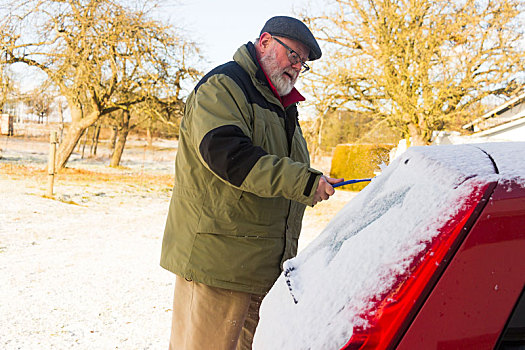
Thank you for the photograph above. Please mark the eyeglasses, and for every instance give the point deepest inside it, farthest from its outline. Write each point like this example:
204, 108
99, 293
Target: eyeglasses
293, 56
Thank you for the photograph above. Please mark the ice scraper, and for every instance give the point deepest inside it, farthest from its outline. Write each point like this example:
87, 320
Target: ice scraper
348, 182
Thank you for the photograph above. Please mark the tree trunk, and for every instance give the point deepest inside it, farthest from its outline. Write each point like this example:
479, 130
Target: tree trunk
86, 136
149, 137
94, 140
320, 134
113, 138
317, 151
416, 135
61, 123
121, 141
73, 135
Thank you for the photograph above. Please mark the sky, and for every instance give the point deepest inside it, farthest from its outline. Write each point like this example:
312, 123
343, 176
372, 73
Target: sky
220, 27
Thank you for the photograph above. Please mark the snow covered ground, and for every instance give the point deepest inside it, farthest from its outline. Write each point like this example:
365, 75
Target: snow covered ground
83, 271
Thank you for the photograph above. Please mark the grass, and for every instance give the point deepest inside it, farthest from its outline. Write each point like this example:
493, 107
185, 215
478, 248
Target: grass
80, 176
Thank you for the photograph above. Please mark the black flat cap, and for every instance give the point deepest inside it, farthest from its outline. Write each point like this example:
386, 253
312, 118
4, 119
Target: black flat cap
293, 28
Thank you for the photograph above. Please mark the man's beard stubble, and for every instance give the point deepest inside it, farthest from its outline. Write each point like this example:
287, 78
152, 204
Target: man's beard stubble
281, 81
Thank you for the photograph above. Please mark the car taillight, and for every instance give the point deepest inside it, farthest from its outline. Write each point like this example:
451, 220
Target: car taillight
389, 313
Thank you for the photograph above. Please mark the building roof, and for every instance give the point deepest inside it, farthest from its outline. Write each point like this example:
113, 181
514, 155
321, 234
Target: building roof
497, 115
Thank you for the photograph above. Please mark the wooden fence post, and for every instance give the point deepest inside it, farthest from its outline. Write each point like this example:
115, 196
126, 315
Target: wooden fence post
51, 163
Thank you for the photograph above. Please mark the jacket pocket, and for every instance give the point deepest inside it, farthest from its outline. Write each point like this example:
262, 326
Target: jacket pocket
250, 216
218, 214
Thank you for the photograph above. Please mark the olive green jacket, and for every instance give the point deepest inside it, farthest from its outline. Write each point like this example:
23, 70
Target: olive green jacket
242, 181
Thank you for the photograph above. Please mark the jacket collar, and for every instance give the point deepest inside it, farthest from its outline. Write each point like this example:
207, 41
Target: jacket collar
246, 57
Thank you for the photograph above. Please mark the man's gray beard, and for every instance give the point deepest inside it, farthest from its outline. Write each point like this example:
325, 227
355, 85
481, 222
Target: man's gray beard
282, 84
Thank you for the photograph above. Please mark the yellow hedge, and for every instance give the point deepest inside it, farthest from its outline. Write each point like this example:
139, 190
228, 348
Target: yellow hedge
358, 161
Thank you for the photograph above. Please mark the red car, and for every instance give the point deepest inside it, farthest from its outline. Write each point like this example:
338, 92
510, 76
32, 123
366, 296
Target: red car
444, 265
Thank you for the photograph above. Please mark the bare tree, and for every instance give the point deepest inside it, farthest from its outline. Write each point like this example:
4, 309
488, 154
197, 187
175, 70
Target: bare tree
39, 102
4, 88
165, 111
417, 64
8, 86
101, 55
123, 129
61, 106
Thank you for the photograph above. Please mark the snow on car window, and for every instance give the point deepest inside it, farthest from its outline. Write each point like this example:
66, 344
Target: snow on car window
373, 239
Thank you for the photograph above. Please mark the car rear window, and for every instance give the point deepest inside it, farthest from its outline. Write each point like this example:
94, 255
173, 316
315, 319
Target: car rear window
513, 336
324, 292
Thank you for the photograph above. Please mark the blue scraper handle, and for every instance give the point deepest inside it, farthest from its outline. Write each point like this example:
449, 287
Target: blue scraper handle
348, 182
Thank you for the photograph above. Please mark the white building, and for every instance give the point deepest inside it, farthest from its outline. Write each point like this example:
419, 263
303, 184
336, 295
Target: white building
504, 123
6, 124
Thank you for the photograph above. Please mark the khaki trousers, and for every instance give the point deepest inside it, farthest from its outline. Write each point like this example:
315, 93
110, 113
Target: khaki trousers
212, 318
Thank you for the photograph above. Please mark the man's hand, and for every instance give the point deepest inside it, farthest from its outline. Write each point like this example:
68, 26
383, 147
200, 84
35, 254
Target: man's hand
324, 188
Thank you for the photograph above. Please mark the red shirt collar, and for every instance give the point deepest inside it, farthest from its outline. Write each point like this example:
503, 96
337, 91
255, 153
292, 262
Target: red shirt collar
293, 97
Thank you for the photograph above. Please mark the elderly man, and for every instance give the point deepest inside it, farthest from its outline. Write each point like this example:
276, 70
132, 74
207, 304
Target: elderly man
242, 182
